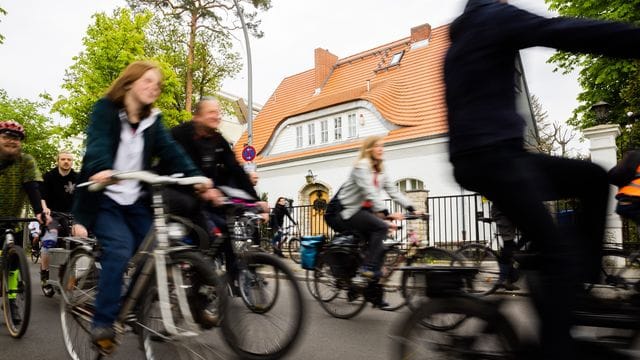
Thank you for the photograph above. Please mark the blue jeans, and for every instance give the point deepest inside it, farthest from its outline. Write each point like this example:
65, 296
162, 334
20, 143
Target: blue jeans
119, 230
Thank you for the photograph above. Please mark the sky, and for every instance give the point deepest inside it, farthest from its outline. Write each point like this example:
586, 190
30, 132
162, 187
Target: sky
43, 36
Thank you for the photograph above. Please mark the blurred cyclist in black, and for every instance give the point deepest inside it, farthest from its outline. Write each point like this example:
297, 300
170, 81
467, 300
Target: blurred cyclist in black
488, 155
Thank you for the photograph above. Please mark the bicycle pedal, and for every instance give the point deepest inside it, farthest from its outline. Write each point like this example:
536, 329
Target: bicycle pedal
106, 347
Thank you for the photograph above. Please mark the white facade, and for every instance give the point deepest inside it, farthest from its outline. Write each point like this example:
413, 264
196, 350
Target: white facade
425, 160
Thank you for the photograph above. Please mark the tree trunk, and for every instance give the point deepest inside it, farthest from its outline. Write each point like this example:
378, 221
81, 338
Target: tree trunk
190, 54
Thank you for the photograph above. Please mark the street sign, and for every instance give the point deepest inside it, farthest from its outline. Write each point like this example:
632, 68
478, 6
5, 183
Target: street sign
248, 153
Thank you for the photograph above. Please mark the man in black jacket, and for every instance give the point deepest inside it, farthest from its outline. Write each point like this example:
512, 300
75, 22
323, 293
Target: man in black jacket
213, 155
488, 155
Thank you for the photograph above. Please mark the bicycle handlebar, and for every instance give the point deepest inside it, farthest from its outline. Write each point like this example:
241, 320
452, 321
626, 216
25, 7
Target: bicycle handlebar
7, 219
149, 178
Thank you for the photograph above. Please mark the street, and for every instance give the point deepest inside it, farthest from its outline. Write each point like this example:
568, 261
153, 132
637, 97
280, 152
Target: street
365, 336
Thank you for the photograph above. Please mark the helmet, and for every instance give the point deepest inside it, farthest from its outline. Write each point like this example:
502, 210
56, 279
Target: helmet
10, 126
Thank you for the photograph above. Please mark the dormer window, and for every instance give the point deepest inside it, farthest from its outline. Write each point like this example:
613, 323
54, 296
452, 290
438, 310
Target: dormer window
395, 60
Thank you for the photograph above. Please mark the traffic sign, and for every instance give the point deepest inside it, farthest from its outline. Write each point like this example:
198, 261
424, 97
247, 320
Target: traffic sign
248, 153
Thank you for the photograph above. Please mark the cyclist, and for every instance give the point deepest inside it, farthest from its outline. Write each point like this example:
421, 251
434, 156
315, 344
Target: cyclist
365, 211
125, 133
57, 190
277, 220
626, 176
19, 176
213, 155
486, 148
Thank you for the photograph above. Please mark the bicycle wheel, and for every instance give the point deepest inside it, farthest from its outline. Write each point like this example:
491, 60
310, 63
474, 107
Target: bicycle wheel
204, 291
486, 260
336, 294
484, 333
273, 331
265, 244
256, 292
16, 291
392, 280
35, 256
78, 289
414, 282
294, 249
618, 270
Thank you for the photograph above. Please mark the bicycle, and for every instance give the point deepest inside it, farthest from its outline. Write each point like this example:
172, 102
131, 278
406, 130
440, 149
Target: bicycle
337, 264
290, 240
267, 316
454, 324
167, 290
15, 280
487, 257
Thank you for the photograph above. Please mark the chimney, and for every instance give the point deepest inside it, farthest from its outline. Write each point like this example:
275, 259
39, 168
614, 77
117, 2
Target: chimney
420, 33
324, 61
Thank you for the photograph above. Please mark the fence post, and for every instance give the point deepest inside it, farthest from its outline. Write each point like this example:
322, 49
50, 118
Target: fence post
603, 148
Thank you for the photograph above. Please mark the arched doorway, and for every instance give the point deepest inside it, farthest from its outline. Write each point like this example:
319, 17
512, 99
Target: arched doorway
315, 197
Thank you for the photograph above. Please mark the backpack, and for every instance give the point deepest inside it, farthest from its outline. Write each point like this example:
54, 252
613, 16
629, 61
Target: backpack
332, 214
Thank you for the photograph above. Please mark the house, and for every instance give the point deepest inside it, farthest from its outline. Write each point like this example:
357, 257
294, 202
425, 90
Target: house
314, 122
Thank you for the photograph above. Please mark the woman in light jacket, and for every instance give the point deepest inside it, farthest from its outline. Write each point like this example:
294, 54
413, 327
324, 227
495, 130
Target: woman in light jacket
363, 199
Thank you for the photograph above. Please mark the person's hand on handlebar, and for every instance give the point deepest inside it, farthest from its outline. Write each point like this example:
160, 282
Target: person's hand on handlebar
103, 177
395, 216
43, 218
215, 196
79, 230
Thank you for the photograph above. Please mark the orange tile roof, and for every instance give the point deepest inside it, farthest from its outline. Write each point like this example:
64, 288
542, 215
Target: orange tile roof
410, 95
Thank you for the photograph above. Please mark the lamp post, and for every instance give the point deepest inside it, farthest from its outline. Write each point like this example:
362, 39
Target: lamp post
249, 75
601, 109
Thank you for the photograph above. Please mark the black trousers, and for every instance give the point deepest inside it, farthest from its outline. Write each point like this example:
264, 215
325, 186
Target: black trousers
518, 182
374, 230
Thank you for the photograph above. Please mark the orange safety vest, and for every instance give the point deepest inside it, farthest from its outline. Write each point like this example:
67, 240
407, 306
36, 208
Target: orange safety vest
633, 188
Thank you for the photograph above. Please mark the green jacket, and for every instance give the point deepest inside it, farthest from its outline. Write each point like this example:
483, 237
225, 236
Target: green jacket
103, 138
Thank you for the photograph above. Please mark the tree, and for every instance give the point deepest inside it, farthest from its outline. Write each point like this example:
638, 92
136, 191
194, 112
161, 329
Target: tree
2, 12
553, 137
166, 42
111, 43
603, 79
42, 139
212, 17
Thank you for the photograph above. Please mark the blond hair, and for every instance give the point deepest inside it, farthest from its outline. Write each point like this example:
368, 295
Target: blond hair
365, 152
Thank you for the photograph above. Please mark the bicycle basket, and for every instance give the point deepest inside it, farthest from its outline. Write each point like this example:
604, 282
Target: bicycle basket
309, 251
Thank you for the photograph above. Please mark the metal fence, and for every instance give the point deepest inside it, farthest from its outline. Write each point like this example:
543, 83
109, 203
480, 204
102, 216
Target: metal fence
454, 220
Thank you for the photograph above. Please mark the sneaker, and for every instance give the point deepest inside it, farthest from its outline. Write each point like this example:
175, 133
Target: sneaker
104, 338
44, 276
15, 313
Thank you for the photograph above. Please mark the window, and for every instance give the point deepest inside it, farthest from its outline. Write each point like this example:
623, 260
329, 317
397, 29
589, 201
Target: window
311, 129
396, 58
337, 128
352, 125
299, 136
324, 131
405, 185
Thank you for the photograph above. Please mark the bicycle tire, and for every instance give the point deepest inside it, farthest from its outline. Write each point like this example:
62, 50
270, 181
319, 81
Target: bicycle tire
78, 288
268, 334
486, 260
414, 283
293, 246
255, 290
16, 291
337, 295
484, 334
204, 289
392, 282
265, 244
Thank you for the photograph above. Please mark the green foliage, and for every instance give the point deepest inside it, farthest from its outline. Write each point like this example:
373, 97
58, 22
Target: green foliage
603, 79
2, 12
42, 138
110, 45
